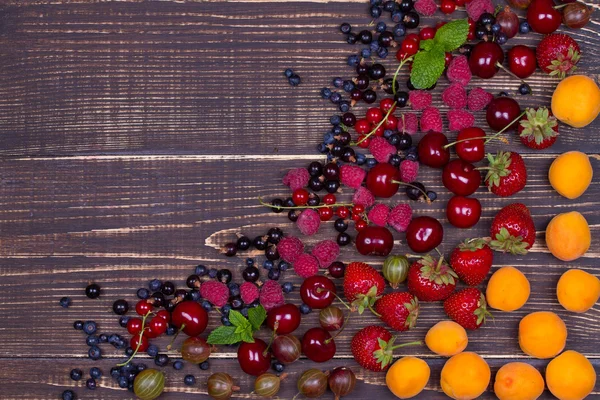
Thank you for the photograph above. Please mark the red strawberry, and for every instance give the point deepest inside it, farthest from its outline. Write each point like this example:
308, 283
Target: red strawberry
399, 310
538, 129
513, 229
557, 54
373, 348
362, 285
467, 307
472, 260
431, 280
507, 174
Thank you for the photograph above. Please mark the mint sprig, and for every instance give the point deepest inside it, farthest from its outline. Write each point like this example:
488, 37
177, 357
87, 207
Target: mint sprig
241, 329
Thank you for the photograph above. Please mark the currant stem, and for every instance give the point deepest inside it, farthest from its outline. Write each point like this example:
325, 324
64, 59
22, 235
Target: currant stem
387, 115
404, 61
414, 187
304, 207
505, 128
139, 341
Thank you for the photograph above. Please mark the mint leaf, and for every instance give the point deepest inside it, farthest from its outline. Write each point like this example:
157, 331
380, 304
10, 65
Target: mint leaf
224, 335
237, 319
452, 35
257, 316
427, 67
427, 44
247, 337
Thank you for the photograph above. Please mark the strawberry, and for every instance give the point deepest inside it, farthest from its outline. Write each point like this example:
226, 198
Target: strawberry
557, 54
472, 260
467, 308
538, 128
431, 280
362, 285
373, 347
399, 310
513, 230
507, 174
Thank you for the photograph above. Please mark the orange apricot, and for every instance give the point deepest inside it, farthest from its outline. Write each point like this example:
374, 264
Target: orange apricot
518, 381
446, 338
578, 290
570, 376
542, 334
507, 290
568, 236
407, 377
465, 376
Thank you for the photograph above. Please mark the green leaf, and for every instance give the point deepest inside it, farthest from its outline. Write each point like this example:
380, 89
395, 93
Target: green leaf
247, 337
224, 335
427, 67
257, 316
427, 44
237, 319
452, 35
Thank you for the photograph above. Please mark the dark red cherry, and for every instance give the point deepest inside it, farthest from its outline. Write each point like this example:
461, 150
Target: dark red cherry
501, 112
317, 291
543, 17
318, 345
379, 180
463, 212
191, 316
484, 59
374, 241
424, 234
521, 61
432, 151
287, 316
472, 150
253, 357
461, 177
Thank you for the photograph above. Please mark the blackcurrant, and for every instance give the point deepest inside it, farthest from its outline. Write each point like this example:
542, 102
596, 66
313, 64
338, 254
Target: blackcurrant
259, 243
275, 235
376, 71
120, 307
271, 253
332, 186
411, 20
276, 203
92, 291
369, 96
315, 184
243, 243
224, 276
401, 98
250, 274
168, 288
315, 168
343, 239
340, 225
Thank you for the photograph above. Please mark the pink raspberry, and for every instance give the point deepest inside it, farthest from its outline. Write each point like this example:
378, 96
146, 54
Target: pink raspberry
381, 149
363, 197
306, 265
289, 248
215, 292
249, 292
425, 7
379, 214
458, 71
478, 99
409, 170
326, 252
308, 222
460, 119
271, 295
419, 99
296, 178
400, 217
431, 120
408, 123
352, 175
477, 7
455, 96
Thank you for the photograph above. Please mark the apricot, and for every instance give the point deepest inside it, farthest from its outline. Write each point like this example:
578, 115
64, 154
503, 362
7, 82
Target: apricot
542, 334
407, 377
578, 290
465, 376
576, 101
446, 338
570, 174
568, 236
518, 381
570, 376
508, 289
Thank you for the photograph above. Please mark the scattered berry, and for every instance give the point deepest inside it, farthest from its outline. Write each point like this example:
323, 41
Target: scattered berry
271, 295
478, 99
215, 292
381, 149
308, 222
65, 302
475, 8
363, 196
455, 96
306, 265
419, 99
409, 170
379, 214
458, 70
326, 252
290, 248
425, 7
400, 217
408, 123
249, 292
296, 178
460, 119
352, 175
431, 120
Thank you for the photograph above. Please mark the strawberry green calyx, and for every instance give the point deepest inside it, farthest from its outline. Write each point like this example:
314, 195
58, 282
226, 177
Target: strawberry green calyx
481, 312
563, 64
413, 313
473, 244
498, 168
385, 354
507, 243
538, 125
439, 273
364, 301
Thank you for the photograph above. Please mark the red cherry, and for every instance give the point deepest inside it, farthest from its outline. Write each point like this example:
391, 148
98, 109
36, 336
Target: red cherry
143, 343
158, 326
424, 234
461, 177
143, 307
426, 33
287, 316
164, 314
191, 316
431, 150
253, 357
374, 115
134, 326
362, 126
318, 345
463, 212
543, 17
386, 105
360, 225
472, 150
300, 197
317, 292
501, 112
448, 6
521, 61
380, 180
374, 241
485, 58
343, 212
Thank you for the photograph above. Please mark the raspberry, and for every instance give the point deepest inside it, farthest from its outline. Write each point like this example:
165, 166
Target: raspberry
409, 170
296, 178
308, 222
419, 99
431, 120
460, 119
477, 7
408, 123
352, 175
425, 7
363, 197
248, 292
289, 248
326, 252
271, 295
400, 217
459, 71
381, 149
478, 99
306, 265
379, 214
455, 96
215, 292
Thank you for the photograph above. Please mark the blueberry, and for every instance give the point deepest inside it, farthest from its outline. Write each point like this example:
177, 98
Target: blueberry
152, 350
154, 285
335, 97
371, 162
234, 290
399, 30
294, 80
123, 320
143, 293
189, 380
91, 384
171, 330
129, 351
382, 52
374, 46
496, 28
351, 38
376, 11
92, 340
95, 353
226, 309
353, 60
322, 148
268, 264
225, 321
283, 265
524, 27
432, 195
178, 365
123, 382
249, 262
274, 274
212, 273
76, 374
380, 27
115, 372
325, 93
337, 82
89, 327
348, 86
524, 89
360, 158
288, 72
68, 395
501, 38
304, 309
65, 302
204, 366
364, 53
335, 120
287, 287
161, 360
200, 270
344, 106
95, 373
244, 311
397, 16
278, 367
345, 27
395, 160
207, 305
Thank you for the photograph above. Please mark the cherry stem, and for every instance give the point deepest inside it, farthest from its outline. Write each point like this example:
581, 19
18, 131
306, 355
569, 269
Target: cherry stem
404, 61
272, 338
321, 290
560, 6
139, 341
505, 128
414, 187
387, 115
339, 330
503, 68
503, 140
175, 337
417, 343
304, 207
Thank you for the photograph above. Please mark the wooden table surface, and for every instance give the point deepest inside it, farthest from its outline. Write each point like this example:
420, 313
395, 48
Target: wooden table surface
135, 138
